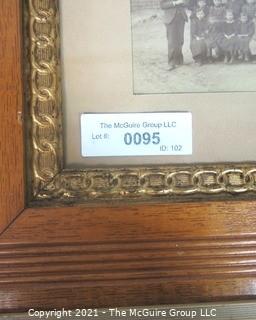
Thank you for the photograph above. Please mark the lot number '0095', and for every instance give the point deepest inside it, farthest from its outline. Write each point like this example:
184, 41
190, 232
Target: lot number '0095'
141, 138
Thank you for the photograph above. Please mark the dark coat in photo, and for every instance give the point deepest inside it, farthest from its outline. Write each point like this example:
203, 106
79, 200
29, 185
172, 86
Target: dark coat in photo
198, 40
213, 35
228, 41
245, 32
174, 18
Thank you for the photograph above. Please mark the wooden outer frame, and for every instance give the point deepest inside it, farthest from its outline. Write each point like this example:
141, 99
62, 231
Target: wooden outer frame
117, 255
11, 131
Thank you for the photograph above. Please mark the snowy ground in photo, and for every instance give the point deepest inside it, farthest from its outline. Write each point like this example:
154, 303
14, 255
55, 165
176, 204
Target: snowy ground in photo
150, 63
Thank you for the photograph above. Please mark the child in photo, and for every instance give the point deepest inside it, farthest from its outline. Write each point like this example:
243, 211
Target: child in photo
213, 35
198, 43
250, 10
245, 32
200, 5
228, 41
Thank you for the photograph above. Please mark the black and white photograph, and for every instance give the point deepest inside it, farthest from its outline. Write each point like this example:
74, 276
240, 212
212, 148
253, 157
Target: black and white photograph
187, 46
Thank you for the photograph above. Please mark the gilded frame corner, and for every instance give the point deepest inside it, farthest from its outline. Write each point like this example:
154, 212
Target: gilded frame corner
50, 182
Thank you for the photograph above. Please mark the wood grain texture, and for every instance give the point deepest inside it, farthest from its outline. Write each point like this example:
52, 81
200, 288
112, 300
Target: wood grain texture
11, 134
134, 222
118, 255
129, 255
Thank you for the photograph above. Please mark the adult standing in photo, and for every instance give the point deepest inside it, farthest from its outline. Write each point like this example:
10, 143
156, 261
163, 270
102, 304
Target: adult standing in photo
174, 18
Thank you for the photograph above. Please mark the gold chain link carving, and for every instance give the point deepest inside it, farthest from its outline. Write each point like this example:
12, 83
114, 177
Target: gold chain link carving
142, 183
45, 100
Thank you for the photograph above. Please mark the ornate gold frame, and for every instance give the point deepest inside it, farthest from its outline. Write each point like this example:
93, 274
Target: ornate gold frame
49, 180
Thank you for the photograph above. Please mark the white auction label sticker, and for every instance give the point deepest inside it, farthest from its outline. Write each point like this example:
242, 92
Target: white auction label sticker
136, 134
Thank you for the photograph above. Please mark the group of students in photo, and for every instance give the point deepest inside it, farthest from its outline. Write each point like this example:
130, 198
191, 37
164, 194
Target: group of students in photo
222, 29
